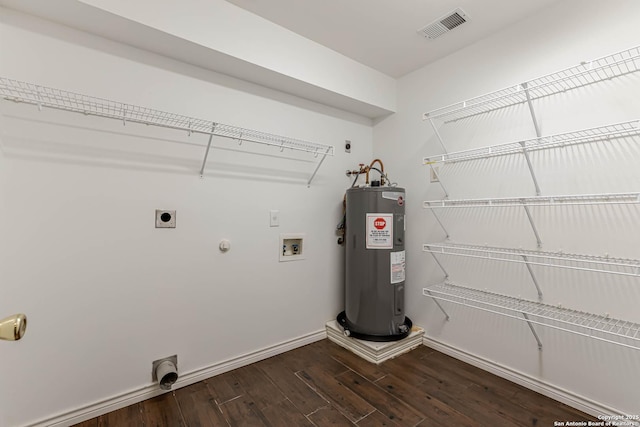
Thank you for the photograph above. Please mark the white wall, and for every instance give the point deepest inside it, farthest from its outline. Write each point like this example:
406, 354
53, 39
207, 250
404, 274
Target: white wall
105, 292
227, 28
601, 376
222, 37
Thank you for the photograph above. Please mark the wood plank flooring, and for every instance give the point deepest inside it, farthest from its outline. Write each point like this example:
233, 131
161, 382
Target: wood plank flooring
322, 384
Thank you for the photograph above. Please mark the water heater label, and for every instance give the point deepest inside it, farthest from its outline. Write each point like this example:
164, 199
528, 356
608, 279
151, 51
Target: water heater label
379, 231
397, 267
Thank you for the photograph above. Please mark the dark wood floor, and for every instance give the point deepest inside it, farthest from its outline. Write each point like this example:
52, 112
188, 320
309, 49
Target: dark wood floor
323, 384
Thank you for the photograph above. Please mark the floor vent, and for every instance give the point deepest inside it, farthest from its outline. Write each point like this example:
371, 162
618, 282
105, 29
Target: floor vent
444, 24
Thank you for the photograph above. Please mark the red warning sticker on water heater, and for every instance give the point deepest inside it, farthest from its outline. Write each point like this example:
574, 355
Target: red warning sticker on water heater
379, 231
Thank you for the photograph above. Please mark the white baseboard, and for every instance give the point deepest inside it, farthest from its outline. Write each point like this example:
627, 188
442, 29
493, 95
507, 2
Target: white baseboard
138, 395
556, 393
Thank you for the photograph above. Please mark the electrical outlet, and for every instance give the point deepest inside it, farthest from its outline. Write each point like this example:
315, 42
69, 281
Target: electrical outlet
433, 173
347, 146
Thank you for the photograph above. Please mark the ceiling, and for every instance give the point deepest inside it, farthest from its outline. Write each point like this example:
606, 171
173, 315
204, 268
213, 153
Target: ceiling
383, 33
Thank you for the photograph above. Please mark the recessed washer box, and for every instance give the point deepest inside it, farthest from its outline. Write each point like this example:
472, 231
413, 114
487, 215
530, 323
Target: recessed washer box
165, 218
291, 246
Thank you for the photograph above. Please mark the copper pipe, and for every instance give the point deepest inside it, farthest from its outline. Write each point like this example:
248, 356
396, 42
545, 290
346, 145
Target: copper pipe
381, 169
377, 161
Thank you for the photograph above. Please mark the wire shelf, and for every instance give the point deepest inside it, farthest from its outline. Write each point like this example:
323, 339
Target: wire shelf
603, 328
573, 200
42, 96
586, 73
592, 263
602, 133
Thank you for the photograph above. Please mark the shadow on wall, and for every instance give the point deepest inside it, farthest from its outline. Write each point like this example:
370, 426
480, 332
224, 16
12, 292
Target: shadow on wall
106, 145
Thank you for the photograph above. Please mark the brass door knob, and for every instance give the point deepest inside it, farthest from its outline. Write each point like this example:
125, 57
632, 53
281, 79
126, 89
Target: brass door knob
13, 327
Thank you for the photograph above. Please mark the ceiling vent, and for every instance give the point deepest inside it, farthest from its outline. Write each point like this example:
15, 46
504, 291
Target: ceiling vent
444, 24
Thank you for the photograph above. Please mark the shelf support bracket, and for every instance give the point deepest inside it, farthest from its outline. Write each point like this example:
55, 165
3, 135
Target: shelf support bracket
533, 276
525, 86
533, 225
435, 130
446, 275
315, 171
206, 153
440, 222
437, 175
533, 174
438, 304
533, 331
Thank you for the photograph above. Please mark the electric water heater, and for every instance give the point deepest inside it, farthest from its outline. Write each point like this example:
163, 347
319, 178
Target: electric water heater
375, 264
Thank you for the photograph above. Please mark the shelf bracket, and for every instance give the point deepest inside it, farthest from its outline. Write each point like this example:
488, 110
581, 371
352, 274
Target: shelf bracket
533, 225
206, 153
533, 276
39, 98
437, 175
435, 130
446, 275
440, 222
525, 86
438, 304
533, 331
533, 174
315, 171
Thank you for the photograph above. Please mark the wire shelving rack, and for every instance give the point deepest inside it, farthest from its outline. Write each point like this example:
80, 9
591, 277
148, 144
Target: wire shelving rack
583, 199
602, 133
591, 263
599, 327
43, 96
527, 202
583, 74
